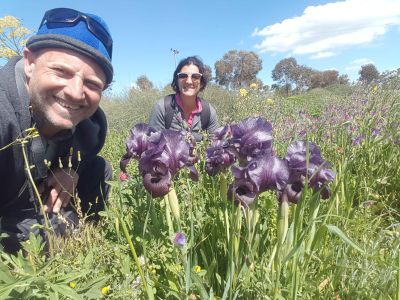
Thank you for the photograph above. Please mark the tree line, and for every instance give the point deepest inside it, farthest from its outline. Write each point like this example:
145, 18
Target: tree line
238, 69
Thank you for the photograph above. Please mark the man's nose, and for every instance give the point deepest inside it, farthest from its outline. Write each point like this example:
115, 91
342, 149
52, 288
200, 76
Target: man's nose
75, 88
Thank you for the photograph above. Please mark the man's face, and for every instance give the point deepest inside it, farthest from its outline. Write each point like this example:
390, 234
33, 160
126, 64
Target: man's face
65, 88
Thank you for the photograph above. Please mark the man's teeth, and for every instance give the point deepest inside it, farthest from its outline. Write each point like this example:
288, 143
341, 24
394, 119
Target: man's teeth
63, 104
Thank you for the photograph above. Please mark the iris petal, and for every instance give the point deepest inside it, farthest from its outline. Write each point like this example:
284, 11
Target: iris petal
169, 152
316, 169
157, 186
263, 173
137, 143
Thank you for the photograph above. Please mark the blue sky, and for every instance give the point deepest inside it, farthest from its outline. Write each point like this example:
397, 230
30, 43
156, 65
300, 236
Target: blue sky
340, 35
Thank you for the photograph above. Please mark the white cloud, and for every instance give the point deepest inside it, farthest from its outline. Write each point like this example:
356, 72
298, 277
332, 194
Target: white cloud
323, 55
322, 30
357, 63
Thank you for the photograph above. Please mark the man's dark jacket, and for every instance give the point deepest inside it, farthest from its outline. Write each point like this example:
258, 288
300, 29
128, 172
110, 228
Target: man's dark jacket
15, 190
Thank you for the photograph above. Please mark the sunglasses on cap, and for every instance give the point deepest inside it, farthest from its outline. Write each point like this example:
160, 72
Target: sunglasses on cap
193, 76
71, 17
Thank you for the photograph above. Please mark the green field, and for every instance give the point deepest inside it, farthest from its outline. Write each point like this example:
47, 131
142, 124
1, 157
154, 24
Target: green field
345, 247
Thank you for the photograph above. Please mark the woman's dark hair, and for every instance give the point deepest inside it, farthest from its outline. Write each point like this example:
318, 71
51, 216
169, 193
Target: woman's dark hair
191, 60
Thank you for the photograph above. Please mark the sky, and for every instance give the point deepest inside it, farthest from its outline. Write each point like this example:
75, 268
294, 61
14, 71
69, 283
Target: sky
323, 35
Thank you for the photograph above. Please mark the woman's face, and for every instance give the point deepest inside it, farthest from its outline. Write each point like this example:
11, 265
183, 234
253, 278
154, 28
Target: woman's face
189, 80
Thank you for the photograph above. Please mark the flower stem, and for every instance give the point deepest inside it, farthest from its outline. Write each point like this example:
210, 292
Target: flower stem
28, 172
223, 187
282, 229
168, 216
314, 213
133, 251
174, 204
398, 275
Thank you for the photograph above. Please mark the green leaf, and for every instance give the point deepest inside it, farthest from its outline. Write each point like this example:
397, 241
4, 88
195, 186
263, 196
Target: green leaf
5, 276
115, 184
172, 285
335, 230
65, 291
93, 288
319, 237
200, 286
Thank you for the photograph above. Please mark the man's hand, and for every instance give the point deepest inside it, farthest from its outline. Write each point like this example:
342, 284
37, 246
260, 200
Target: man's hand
62, 185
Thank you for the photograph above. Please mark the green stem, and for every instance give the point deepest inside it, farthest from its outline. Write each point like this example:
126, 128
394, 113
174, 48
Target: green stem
283, 222
398, 275
174, 204
252, 219
282, 229
28, 171
168, 216
314, 214
133, 251
223, 187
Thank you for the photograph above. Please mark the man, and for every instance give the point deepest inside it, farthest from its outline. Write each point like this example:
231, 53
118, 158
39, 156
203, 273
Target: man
56, 88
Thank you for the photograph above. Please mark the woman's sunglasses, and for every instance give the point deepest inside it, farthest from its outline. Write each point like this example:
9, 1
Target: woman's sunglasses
71, 17
193, 76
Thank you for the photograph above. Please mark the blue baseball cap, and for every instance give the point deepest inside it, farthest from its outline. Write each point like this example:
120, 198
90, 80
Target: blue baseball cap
85, 33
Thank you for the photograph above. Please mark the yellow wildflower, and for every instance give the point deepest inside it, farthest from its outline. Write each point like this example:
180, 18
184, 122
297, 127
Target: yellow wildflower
253, 86
243, 92
197, 268
72, 284
105, 290
270, 101
375, 88
9, 21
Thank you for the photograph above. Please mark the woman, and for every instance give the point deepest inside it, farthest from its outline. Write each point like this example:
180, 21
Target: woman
185, 109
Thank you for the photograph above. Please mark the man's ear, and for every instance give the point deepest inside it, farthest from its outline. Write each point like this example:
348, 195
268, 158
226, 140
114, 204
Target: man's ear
29, 62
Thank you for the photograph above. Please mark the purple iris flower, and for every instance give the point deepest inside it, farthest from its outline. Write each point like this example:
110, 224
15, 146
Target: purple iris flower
179, 239
170, 151
222, 133
219, 156
251, 137
376, 132
266, 172
317, 171
137, 143
357, 140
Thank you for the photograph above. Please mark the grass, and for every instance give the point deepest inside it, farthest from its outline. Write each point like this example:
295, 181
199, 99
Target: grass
347, 247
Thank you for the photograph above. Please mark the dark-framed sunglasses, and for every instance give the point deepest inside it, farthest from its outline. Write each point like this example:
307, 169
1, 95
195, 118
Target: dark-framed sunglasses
193, 76
71, 17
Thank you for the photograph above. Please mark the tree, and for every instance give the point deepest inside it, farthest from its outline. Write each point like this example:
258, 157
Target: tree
286, 73
325, 78
302, 77
368, 73
237, 69
344, 79
207, 73
143, 83
13, 37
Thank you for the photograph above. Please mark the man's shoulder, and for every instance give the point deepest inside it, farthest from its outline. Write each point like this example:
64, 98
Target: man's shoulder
8, 86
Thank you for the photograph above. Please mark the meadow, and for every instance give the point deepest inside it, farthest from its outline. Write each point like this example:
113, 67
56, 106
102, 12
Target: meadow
344, 247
